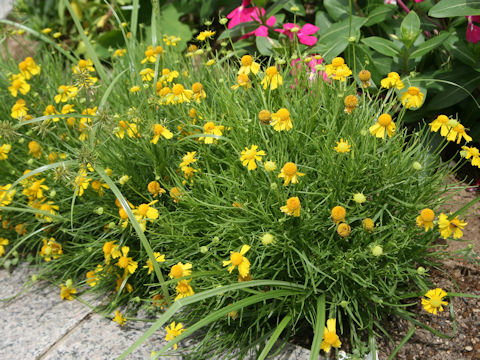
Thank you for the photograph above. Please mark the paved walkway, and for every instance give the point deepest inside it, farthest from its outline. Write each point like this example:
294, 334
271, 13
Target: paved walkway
39, 325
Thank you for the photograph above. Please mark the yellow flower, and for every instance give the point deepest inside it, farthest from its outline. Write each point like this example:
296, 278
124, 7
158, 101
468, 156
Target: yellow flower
173, 330
83, 66
441, 122
159, 130
281, 120
249, 157
92, 276
467, 153
359, 198
180, 270
188, 158
425, 219
35, 149
57, 35
458, 130
151, 54
119, 52
412, 98
48, 207
125, 262
269, 165
383, 124
342, 146
198, 92
28, 68
19, 109
343, 230
50, 110
98, 186
248, 65
242, 81
81, 182
237, 259
3, 242
155, 189
110, 250
65, 93
447, 227
272, 78
134, 89
147, 74
292, 207
158, 257
129, 128
145, 212
179, 95
392, 81
18, 83
175, 194
50, 249
183, 289
119, 318
6, 198
67, 290
330, 337
210, 62
205, 35
368, 225
289, 173
265, 117
4, 150
338, 214
338, 70
351, 102
365, 76
211, 129
46, 30
35, 190
435, 300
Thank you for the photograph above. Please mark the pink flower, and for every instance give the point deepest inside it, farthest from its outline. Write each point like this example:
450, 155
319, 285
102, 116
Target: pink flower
241, 14
312, 72
262, 30
473, 31
303, 33
419, 1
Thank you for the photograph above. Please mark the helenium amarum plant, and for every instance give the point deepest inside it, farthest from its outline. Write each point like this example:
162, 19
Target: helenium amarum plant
236, 200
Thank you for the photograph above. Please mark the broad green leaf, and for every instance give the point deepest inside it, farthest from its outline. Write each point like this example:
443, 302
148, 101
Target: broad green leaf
457, 45
264, 46
340, 30
337, 9
379, 14
275, 8
169, 24
429, 45
295, 3
451, 8
322, 21
410, 28
331, 50
382, 46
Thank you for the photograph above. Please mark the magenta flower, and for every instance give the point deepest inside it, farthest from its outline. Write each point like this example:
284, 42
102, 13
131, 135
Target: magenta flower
303, 33
262, 30
473, 31
241, 14
419, 1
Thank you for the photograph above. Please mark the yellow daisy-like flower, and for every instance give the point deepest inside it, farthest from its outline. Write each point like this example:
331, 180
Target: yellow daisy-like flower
211, 129
425, 219
28, 68
50, 249
458, 130
134, 89
119, 52
110, 251
249, 157
173, 330
160, 130
248, 66
67, 290
281, 120
292, 207
412, 98
92, 276
441, 122
183, 289
384, 124
368, 225
147, 74
188, 158
289, 173
129, 128
242, 81
392, 81
19, 109
83, 67
35, 149
18, 83
205, 35
179, 95
237, 259
435, 301
330, 337
198, 92
119, 318
81, 182
3, 242
50, 110
342, 146
158, 257
338, 214
151, 54
65, 93
351, 102
155, 189
180, 270
125, 262
467, 153
338, 70
448, 227
272, 78
4, 150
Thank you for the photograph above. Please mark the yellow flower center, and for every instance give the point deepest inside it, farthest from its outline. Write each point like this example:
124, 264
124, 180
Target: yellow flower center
209, 126
82, 64
123, 214
242, 79
293, 203
17, 84
338, 213
364, 75
247, 60
343, 147
236, 258
271, 71
197, 88
343, 230
427, 215
338, 61
143, 209
264, 116
34, 147
436, 302
330, 337
182, 288
178, 89
123, 262
384, 120
283, 114
149, 53
290, 169
413, 90
250, 154
158, 129
176, 271
351, 101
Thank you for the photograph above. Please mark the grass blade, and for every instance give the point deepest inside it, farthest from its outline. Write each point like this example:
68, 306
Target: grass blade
274, 337
319, 327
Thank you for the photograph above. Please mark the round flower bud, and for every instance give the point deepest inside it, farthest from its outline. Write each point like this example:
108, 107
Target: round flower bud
265, 116
294, 9
351, 101
452, 123
69, 283
417, 166
203, 249
269, 165
208, 23
343, 230
216, 239
359, 198
273, 186
30, 161
98, 211
52, 194
34, 277
421, 270
368, 225
364, 75
344, 304
267, 239
223, 21
377, 250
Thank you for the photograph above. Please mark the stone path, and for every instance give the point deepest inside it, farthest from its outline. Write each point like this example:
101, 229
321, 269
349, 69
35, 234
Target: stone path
5, 7
38, 325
